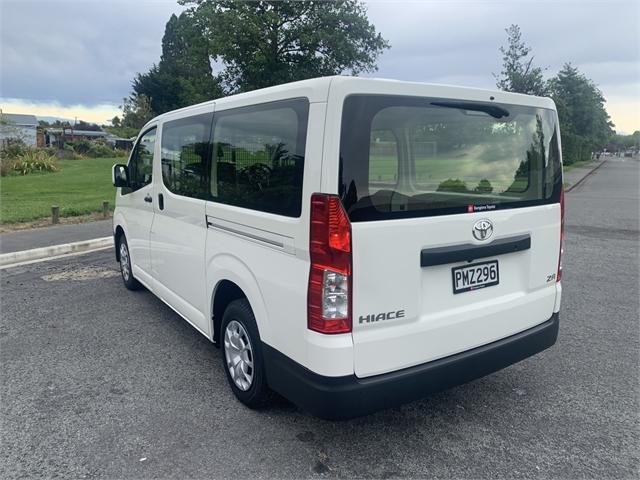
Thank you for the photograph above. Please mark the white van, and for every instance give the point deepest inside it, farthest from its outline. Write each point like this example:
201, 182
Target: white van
351, 243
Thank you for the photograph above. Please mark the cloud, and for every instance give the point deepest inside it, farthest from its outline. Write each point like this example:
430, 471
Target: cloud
87, 53
457, 42
435, 39
79, 52
96, 113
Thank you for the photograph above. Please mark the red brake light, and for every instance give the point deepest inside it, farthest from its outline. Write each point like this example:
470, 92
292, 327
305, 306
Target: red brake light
559, 273
329, 292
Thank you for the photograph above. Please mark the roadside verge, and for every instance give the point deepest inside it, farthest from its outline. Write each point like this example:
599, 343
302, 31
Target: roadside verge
44, 253
577, 175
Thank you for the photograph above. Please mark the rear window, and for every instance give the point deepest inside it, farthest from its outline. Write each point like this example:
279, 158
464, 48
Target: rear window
412, 157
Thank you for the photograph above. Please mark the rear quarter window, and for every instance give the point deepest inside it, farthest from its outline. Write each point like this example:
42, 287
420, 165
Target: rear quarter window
258, 157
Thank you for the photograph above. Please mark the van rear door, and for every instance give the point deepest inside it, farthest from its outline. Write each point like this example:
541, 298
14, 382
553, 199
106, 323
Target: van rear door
456, 220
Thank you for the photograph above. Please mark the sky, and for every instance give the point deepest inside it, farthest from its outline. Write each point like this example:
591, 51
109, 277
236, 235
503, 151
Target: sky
76, 58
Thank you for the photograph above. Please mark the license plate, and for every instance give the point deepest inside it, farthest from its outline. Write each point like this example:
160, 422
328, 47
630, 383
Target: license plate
475, 276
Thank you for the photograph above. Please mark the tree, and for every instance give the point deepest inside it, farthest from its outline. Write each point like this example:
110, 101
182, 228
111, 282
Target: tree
264, 43
184, 76
518, 72
584, 121
484, 186
136, 111
82, 125
619, 142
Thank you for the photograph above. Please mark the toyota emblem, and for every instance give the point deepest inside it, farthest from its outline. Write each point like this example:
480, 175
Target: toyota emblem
482, 229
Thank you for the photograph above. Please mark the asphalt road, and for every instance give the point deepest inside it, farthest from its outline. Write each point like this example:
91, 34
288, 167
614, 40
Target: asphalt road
54, 235
96, 381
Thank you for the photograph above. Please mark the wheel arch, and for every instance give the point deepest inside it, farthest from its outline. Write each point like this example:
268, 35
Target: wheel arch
225, 292
234, 280
117, 233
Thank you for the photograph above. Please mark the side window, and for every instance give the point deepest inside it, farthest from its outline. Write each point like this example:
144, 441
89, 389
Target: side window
185, 155
258, 157
141, 162
383, 158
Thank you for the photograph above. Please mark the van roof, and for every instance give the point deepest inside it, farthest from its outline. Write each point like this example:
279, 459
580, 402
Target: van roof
322, 84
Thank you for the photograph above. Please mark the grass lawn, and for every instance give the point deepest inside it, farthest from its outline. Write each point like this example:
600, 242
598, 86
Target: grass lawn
78, 187
583, 163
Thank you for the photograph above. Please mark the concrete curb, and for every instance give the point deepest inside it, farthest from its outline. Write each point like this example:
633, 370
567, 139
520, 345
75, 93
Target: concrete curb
12, 258
586, 175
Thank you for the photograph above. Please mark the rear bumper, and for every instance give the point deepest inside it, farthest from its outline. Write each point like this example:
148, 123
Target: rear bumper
345, 397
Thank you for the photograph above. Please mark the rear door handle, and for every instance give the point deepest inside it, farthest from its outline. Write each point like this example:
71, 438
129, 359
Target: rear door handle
148, 198
467, 252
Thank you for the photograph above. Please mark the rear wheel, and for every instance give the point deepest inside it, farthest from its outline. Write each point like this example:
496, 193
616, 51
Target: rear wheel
242, 354
125, 265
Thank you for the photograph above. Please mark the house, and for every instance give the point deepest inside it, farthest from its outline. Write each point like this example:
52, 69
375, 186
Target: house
57, 136
15, 126
120, 143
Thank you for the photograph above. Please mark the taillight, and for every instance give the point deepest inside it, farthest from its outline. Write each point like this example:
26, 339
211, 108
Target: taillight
559, 274
329, 293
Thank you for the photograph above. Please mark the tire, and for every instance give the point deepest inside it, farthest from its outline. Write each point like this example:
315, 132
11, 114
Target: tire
241, 346
125, 265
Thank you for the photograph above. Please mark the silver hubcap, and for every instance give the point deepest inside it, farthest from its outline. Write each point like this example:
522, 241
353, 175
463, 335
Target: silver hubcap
125, 266
239, 356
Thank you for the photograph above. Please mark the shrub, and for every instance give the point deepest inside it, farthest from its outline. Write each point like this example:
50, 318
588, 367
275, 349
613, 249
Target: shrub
81, 146
576, 148
99, 150
6, 166
35, 160
120, 153
91, 149
14, 149
67, 154
453, 185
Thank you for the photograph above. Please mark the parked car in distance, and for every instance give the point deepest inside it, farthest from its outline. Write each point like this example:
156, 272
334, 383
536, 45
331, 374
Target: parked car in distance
351, 243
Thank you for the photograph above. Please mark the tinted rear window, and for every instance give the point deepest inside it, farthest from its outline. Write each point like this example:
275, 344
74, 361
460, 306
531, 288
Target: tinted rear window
409, 157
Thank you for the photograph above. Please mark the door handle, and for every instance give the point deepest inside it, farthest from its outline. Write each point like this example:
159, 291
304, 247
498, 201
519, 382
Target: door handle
148, 198
161, 201
468, 252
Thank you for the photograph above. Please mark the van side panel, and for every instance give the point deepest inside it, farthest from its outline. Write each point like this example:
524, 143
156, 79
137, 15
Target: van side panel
178, 232
177, 242
267, 256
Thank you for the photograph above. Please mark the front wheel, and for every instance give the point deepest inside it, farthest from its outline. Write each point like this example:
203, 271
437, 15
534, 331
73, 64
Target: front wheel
125, 265
242, 355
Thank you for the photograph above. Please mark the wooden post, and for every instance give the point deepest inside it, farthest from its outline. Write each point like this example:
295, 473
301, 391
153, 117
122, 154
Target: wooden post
105, 209
55, 214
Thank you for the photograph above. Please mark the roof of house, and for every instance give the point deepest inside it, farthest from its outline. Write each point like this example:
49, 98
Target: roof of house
19, 119
80, 133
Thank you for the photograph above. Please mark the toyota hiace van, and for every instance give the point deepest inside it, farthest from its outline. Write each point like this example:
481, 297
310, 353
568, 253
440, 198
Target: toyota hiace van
351, 243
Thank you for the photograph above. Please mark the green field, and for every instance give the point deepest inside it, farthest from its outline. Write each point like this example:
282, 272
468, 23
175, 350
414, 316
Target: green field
79, 187
429, 173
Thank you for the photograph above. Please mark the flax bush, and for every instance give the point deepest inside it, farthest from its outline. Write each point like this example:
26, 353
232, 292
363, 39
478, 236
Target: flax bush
33, 160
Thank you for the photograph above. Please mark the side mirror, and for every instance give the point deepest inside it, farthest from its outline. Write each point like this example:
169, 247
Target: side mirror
120, 175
